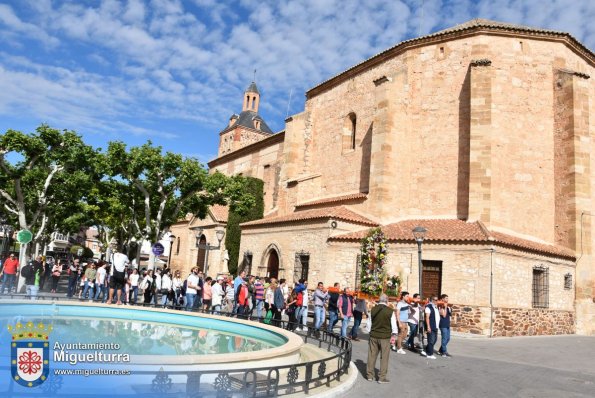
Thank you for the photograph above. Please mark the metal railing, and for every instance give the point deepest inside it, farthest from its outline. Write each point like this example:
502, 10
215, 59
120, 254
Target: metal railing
269, 381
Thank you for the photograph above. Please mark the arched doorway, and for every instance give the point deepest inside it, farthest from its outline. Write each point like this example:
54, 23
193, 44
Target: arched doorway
273, 265
200, 258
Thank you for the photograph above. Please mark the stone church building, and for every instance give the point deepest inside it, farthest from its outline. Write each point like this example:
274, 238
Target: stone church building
481, 133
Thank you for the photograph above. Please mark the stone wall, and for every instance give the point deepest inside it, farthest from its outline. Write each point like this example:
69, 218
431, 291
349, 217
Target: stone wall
466, 128
532, 322
470, 319
510, 322
263, 161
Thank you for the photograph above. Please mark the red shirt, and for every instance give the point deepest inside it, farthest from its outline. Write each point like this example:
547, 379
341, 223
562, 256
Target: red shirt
11, 265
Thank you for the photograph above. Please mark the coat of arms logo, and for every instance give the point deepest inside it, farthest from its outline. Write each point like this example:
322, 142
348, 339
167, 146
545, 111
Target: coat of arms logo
30, 353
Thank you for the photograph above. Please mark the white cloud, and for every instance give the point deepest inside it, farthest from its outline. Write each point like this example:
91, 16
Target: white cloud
162, 60
16, 26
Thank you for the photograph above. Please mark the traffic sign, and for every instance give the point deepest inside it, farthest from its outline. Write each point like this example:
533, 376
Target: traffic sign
158, 249
24, 236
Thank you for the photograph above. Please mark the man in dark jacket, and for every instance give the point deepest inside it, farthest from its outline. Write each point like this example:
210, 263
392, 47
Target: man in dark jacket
333, 310
33, 272
384, 329
278, 303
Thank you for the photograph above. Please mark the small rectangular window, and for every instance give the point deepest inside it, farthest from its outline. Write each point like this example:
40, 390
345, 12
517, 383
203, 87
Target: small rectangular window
302, 266
247, 262
568, 281
540, 287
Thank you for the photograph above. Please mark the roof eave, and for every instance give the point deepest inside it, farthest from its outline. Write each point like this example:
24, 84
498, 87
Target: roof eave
462, 241
406, 45
272, 139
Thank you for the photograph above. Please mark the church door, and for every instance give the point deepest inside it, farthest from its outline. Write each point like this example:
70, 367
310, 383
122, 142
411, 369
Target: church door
273, 265
431, 278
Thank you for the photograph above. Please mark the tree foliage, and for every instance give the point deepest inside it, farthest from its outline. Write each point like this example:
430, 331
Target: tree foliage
50, 180
43, 177
255, 187
170, 186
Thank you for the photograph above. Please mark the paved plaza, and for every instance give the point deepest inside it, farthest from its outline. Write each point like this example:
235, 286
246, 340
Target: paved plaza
544, 366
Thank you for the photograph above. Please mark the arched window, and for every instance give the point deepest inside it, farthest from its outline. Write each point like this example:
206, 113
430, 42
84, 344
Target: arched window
178, 246
349, 131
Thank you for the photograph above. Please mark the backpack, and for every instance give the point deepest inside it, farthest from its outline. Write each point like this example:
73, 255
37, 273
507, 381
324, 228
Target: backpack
26, 271
184, 287
268, 317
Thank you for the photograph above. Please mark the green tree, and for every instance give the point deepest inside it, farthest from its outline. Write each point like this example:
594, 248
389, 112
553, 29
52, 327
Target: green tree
171, 186
254, 186
47, 178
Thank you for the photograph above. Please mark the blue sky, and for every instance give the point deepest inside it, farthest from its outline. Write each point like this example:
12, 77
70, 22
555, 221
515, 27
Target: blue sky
174, 71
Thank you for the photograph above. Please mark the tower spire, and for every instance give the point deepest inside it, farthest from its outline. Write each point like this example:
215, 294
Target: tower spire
251, 97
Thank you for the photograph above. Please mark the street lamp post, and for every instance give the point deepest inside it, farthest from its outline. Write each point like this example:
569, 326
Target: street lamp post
419, 234
172, 239
220, 235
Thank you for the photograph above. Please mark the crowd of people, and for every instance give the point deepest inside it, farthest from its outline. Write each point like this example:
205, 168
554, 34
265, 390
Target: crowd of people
390, 327
395, 329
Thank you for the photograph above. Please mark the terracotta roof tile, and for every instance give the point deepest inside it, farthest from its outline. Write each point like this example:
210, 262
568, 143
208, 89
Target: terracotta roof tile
219, 212
337, 212
336, 199
510, 240
458, 231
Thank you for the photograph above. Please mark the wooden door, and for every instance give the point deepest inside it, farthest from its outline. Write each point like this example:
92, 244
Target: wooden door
431, 278
273, 265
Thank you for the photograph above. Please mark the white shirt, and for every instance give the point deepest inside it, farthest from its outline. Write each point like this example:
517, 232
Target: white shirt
157, 281
285, 290
119, 262
269, 296
192, 280
134, 279
436, 313
165, 282
414, 314
217, 294
100, 277
305, 298
177, 283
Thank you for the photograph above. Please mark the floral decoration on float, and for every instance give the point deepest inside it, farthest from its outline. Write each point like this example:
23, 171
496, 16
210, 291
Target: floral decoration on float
374, 277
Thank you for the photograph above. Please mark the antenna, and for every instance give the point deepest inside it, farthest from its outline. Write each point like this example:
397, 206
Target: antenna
254, 79
288, 104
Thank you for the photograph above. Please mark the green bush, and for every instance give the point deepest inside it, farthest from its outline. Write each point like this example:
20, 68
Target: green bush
233, 234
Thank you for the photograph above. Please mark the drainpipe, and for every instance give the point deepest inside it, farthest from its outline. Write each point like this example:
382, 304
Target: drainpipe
410, 269
491, 291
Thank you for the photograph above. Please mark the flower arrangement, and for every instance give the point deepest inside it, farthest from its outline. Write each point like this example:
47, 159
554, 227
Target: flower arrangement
373, 258
393, 285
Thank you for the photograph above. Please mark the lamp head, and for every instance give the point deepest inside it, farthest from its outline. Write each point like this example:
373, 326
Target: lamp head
172, 238
220, 234
419, 233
